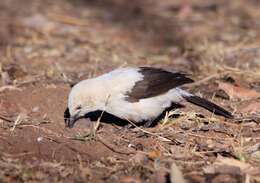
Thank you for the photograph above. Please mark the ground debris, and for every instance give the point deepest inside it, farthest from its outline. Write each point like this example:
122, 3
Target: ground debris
231, 166
238, 92
129, 180
47, 45
250, 108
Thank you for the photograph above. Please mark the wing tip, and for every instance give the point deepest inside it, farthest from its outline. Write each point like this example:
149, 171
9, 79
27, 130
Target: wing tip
209, 106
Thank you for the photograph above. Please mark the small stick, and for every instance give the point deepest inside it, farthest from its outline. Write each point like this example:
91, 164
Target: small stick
18, 155
16, 122
96, 125
204, 80
98, 121
67, 20
6, 119
150, 133
63, 144
9, 87
112, 149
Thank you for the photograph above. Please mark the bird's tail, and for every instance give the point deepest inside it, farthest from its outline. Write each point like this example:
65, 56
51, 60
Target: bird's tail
210, 106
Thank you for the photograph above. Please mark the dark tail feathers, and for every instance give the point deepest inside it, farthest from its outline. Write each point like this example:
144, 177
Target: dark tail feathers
208, 105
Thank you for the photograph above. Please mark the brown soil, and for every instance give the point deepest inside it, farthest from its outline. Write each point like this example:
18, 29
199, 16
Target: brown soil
47, 45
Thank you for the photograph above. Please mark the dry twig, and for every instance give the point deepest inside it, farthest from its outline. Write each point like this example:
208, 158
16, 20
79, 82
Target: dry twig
150, 133
111, 148
65, 19
6, 119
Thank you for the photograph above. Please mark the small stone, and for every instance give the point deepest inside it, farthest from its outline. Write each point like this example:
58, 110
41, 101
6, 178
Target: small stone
185, 126
39, 139
36, 109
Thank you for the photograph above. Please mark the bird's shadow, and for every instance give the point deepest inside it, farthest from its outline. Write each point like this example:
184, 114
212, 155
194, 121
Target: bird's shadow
106, 117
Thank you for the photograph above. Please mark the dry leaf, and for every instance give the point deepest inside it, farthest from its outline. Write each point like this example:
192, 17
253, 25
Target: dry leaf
238, 91
154, 154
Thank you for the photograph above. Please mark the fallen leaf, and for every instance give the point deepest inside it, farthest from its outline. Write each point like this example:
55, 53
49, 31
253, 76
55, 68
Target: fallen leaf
154, 154
238, 92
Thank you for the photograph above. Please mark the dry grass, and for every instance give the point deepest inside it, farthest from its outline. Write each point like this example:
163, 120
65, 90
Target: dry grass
48, 45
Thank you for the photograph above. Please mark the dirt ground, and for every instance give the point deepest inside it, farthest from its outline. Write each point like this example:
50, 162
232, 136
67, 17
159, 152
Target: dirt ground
47, 45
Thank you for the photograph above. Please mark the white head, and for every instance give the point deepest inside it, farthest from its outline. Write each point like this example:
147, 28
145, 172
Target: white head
82, 100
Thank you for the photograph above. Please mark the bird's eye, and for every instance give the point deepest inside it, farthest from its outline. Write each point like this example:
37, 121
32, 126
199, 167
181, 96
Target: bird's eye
78, 107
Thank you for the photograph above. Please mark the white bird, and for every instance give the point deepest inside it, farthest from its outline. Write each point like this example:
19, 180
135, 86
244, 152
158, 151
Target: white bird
138, 94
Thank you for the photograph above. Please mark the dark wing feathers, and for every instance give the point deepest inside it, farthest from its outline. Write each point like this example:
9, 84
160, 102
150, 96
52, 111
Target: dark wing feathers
209, 106
155, 82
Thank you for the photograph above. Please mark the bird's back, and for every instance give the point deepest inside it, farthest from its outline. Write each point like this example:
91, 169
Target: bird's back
120, 80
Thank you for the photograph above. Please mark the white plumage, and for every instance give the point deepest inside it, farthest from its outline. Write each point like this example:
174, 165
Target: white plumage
110, 92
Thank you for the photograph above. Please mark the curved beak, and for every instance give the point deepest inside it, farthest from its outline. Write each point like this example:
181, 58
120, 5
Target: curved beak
69, 120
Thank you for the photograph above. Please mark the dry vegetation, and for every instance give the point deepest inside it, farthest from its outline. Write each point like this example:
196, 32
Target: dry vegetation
46, 45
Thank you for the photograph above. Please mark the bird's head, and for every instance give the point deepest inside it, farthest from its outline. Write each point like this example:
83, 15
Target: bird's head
80, 102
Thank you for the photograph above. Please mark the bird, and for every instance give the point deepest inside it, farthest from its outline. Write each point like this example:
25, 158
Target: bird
136, 94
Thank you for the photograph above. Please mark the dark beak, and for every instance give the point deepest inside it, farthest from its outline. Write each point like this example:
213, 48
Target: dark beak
68, 119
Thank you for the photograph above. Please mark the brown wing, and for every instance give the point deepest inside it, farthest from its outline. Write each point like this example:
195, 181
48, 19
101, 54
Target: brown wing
155, 82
